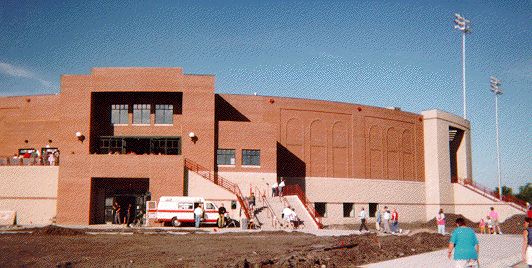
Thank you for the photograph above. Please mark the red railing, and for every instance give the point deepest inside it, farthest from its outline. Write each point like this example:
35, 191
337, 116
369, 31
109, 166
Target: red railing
220, 181
487, 192
297, 191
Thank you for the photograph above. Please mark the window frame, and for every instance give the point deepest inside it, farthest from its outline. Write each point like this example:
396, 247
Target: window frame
225, 155
167, 113
121, 109
352, 212
250, 158
142, 108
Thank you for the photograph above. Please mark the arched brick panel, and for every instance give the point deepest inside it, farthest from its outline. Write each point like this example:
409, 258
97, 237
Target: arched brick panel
393, 154
376, 167
318, 149
340, 157
408, 154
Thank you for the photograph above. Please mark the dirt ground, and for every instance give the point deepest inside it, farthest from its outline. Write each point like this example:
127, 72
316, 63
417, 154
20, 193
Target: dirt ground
59, 247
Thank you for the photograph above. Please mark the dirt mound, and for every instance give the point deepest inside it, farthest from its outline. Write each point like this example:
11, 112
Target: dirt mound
513, 225
359, 250
56, 230
450, 220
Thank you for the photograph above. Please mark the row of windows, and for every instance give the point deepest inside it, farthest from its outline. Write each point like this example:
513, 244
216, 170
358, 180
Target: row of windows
227, 157
141, 113
349, 209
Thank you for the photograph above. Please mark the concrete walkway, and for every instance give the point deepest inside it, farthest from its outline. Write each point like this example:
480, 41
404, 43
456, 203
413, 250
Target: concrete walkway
496, 251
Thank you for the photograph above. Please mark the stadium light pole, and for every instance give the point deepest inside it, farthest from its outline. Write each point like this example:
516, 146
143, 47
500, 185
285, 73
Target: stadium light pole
464, 26
494, 84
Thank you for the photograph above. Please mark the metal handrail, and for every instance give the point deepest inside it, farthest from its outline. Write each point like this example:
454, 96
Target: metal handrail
265, 201
487, 192
220, 181
297, 191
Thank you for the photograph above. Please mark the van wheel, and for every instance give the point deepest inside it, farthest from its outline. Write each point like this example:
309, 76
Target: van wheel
175, 222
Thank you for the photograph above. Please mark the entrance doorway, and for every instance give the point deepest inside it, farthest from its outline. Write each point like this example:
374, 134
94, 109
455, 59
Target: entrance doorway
124, 191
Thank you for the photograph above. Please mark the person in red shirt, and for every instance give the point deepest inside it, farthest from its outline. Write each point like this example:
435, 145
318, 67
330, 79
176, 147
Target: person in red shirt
529, 212
395, 221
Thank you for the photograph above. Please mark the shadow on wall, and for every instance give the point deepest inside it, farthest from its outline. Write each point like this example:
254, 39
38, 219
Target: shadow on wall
227, 112
288, 164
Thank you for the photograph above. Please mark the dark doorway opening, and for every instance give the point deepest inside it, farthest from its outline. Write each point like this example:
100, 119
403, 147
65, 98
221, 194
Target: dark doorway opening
124, 191
455, 139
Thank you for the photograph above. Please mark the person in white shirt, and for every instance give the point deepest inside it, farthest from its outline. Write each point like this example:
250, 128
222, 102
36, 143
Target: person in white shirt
275, 187
198, 214
281, 186
386, 220
363, 217
287, 212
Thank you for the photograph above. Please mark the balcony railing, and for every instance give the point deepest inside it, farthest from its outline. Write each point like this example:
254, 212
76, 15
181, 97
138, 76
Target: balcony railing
30, 161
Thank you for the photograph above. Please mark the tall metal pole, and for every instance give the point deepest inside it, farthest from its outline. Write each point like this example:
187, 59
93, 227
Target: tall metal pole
497, 137
463, 74
464, 26
494, 84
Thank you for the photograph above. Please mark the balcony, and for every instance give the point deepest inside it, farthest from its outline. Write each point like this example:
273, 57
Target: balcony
139, 145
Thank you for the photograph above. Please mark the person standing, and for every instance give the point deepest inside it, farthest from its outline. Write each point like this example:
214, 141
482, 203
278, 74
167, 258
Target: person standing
221, 216
395, 221
275, 188
116, 210
51, 159
440, 220
386, 220
129, 213
252, 200
378, 220
527, 242
495, 218
464, 242
281, 186
198, 214
362, 217
482, 226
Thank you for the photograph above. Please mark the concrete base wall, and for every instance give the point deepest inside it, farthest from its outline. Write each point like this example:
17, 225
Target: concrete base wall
407, 197
475, 206
31, 191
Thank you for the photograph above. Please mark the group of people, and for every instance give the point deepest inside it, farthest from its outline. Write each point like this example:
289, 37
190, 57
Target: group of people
290, 217
35, 158
491, 224
277, 188
386, 220
122, 216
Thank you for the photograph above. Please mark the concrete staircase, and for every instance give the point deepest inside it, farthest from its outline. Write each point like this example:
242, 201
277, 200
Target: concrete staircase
269, 210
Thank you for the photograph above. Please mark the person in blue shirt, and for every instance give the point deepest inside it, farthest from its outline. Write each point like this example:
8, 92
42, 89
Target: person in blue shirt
465, 245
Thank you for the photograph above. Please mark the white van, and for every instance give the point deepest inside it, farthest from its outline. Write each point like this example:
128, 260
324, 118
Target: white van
179, 209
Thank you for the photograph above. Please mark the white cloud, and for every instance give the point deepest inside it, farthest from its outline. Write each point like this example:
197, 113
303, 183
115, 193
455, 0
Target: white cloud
14, 71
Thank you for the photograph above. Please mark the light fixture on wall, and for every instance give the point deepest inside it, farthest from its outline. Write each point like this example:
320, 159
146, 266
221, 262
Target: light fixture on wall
193, 137
80, 136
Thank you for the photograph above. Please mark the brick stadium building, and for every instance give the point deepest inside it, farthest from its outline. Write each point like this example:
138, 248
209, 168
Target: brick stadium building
123, 132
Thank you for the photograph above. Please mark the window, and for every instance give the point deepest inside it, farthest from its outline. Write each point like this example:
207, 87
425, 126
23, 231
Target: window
186, 206
209, 206
225, 157
373, 209
349, 210
141, 114
164, 114
119, 114
165, 146
251, 157
321, 208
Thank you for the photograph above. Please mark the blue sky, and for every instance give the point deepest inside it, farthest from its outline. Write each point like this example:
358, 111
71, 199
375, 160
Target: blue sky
381, 53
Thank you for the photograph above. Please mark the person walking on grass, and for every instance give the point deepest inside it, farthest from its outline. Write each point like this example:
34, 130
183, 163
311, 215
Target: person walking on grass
464, 242
440, 220
363, 217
